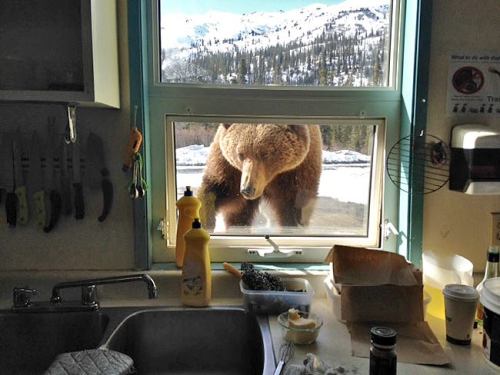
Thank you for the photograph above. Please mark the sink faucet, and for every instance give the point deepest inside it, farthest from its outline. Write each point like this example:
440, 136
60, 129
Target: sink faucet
89, 295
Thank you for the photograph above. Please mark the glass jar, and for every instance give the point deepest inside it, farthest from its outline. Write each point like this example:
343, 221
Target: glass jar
383, 358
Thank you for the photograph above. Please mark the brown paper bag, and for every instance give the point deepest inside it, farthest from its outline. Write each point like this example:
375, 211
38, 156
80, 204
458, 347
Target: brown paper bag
382, 288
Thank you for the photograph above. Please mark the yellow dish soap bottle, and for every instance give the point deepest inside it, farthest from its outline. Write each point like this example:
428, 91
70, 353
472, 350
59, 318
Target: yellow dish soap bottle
189, 208
196, 288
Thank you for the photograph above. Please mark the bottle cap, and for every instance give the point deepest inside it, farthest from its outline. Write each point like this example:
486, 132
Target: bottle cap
493, 256
196, 224
188, 192
383, 336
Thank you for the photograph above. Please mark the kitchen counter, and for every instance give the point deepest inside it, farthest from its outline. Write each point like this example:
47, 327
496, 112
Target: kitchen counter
334, 347
333, 344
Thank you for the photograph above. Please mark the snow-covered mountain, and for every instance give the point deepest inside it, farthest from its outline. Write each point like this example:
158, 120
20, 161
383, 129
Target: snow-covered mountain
222, 46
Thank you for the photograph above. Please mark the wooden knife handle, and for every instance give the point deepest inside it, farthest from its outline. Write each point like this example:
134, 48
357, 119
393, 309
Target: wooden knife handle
232, 270
40, 212
22, 205
11, 208
55, 210
79, 203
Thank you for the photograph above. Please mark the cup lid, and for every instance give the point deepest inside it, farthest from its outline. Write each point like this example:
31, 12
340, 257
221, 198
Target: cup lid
461, 292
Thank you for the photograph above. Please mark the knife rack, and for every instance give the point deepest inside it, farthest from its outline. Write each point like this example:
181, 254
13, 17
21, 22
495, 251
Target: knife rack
56, 165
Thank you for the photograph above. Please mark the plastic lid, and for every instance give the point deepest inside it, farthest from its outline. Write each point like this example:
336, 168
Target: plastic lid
188, 192
490, 294
196, 224
383, 336
461, 292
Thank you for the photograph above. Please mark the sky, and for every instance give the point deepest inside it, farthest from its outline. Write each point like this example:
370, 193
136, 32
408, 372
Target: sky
237, 6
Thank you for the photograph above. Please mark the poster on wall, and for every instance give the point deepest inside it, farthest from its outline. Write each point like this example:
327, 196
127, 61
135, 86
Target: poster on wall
474, 85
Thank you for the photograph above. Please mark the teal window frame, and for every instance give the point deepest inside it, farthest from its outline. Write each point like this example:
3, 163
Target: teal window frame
403, 107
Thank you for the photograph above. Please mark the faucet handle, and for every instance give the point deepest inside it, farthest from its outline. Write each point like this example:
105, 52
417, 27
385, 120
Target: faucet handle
89, 295
22, 296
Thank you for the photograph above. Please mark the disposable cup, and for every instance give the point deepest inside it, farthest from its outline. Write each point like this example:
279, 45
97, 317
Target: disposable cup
460, 303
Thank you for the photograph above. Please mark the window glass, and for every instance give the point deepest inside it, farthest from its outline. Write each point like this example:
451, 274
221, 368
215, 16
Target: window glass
328, 43
334, 201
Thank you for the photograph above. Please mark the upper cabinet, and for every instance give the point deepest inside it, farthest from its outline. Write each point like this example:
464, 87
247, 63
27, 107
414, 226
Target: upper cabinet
59, 51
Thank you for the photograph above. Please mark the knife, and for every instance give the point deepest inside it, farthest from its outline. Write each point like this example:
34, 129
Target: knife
67, 204
11, 198
22, 200
77, 182
50, 185
36, 181
98, 171
3, 166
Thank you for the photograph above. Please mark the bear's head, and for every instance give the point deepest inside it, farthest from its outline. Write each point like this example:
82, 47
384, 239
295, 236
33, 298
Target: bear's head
262, 151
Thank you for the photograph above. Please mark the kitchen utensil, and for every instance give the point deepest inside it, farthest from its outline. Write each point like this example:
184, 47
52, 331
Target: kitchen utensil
36, 180
22, 200
50, 178
97, 163
232, 270
138, 186
77, 181
11, 198
134, 144
67, 205
421, 164
286, 353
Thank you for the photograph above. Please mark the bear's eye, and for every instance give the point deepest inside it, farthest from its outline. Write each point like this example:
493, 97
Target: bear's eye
241, 156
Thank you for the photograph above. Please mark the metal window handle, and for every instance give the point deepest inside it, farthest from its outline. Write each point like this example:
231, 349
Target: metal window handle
22, 296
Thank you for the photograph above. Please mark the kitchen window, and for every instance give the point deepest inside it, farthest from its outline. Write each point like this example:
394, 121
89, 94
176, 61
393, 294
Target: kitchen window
335, 65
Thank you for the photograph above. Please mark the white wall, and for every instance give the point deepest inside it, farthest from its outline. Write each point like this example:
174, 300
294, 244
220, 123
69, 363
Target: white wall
455, 223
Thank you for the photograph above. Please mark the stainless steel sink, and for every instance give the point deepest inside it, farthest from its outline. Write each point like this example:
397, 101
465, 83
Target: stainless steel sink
29, 342
195, 341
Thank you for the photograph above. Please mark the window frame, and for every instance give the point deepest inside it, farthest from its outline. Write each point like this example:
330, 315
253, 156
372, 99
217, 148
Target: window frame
159, 101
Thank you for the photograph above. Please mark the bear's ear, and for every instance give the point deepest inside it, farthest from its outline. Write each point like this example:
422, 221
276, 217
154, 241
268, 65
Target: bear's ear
301, 130
226, 125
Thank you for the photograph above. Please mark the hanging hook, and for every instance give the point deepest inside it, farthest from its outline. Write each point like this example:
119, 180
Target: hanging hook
71, 134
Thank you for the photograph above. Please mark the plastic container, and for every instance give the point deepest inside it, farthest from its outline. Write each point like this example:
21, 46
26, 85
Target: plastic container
300, 336
489, 296
189, 209
276, 302
196, 280
440, 270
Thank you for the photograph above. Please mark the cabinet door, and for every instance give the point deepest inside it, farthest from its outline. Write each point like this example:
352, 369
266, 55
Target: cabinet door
47, 49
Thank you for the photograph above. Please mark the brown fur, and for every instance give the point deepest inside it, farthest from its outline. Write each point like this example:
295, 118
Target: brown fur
281, 163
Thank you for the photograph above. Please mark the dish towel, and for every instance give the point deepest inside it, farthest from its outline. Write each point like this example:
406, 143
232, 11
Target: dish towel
95, 362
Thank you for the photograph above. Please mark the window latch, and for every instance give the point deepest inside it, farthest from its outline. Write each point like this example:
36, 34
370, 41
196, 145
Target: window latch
274, 251
389, 229
162, 228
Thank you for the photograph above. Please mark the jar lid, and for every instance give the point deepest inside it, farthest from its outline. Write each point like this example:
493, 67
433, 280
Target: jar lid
461, 292
493, 256
383, 336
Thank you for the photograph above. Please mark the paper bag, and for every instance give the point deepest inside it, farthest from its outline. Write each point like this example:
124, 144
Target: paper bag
382, 288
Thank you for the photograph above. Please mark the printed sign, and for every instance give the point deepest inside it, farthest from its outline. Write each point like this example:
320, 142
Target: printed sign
474, 85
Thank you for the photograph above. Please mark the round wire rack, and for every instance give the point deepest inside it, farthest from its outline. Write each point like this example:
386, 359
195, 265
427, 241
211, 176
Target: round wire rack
419, 165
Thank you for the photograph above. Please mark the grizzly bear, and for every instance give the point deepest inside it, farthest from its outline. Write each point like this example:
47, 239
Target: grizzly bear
247, 162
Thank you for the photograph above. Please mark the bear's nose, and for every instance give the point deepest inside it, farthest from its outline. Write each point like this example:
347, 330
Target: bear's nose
248, 192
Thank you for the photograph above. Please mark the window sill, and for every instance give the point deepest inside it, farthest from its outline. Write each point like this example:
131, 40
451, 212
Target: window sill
313, 268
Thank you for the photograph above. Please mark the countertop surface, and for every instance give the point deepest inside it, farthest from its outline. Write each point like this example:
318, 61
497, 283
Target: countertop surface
334, 347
